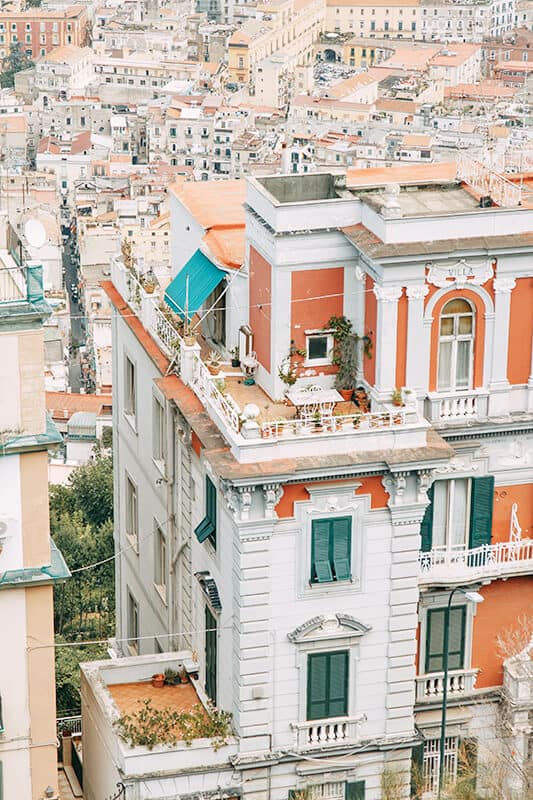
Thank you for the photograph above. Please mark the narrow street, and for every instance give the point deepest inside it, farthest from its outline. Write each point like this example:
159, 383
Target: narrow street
77, 323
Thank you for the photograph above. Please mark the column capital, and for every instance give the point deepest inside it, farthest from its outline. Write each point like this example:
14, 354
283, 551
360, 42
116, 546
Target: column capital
504, 285
388, 294
417, 292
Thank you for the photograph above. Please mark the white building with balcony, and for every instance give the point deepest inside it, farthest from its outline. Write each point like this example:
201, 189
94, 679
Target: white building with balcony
304, 543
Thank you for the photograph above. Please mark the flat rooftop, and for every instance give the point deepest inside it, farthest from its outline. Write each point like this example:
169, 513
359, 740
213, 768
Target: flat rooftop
423, 200
129, 697
303, 188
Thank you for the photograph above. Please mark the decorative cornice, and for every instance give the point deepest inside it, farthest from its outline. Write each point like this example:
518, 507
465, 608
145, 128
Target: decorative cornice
324, 626
272, 493
460, 274
395, 485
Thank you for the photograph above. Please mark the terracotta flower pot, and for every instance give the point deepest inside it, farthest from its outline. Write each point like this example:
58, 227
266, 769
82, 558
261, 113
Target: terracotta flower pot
158, 681
214, 369
346, 394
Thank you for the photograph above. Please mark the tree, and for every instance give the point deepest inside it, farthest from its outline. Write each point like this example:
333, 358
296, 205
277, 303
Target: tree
68, 674
90, 491
15, 61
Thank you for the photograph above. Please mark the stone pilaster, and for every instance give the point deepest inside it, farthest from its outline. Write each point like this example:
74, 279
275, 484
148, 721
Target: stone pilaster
417, 368
499, 385
385, 339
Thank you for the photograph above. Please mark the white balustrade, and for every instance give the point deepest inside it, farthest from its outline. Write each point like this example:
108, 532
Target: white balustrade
167, 335
430, 687
488, 560
208, 388
327, 732
345, 423
458, 406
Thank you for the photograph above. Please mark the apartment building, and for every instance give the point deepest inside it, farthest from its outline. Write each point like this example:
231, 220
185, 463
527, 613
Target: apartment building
294, 550
30, 563
40, 30
383, 19
451, 21
285, 27
65, 71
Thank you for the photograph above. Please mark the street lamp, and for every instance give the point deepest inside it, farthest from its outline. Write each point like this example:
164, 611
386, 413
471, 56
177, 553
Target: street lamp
474, 597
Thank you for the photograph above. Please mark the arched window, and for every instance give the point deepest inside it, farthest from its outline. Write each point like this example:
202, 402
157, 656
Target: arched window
456, 346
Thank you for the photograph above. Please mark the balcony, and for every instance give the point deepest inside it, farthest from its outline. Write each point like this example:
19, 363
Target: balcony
444, 408
429, 688
500, 560
275, 431
334, 732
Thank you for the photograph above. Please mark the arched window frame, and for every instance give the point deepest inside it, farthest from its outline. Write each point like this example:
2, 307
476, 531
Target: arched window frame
455, 339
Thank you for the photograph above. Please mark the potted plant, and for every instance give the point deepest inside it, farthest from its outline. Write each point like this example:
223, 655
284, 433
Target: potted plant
158, 680
171, 676
287, 372
318, 427
337, 420
356, 420
347, 372
397, 398
361, 400
184, 675
213, 362
235, 360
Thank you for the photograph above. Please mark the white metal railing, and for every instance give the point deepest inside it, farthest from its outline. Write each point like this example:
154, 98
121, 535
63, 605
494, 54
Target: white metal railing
12, 284
489, 559
167, 335
326, 732
430, 687
458, 406
68, 724
205, 386
134, 291
346, 423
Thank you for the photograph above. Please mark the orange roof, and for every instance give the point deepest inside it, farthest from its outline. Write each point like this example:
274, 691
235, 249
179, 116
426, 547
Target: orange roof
515, 66
63, 404
213, 204
416, 140
227, 245
416, 58
477, 90
454, 55
389, 3
408, 173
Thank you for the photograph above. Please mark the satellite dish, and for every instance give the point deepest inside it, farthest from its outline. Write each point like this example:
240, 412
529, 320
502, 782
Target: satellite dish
35, 233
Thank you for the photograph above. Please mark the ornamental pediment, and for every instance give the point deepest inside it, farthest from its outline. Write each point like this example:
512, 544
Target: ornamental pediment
328, 626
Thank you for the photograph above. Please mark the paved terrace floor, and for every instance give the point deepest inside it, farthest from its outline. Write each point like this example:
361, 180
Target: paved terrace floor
129, 696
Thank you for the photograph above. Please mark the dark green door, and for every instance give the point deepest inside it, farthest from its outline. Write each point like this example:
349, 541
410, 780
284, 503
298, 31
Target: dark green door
210, 655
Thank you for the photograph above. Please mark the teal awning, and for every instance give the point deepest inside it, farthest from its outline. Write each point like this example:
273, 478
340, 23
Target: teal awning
204, 277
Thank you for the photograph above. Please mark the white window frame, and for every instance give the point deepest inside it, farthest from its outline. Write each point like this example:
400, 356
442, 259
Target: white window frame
132, 606
316, 334
431, 763
160, 561
131, 509
454, 338
450, 497
440, 600
130, 391
158, 433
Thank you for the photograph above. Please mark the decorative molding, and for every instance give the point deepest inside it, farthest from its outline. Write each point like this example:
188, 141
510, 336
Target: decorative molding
424, 479
245, 501
457, 465
331, 626
417, 292
460, 274
360, 275
504, 285
408, 514
387, 294
272, 493
395, 485
238, 500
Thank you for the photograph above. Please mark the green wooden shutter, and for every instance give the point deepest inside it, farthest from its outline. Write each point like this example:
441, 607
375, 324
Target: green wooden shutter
435, 638
204, 530
211, 508
341, 546
320, 566
338, 684
355, 790
211, 655
426, 526
481, 503
317, 695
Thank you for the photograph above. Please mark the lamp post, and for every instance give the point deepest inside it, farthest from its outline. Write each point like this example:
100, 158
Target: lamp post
475, 597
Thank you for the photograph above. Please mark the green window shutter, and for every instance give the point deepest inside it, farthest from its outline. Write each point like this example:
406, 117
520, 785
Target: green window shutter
481, 503
435, 639
1, 781
338, 684
317, 695
341, 545
355, 790
211, 655
320, 566
426, 526
204, 530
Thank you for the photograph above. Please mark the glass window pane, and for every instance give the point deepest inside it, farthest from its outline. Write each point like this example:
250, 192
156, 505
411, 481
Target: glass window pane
462, 379
440, 504
445, 365
318, 347
446, 326
459, 509
458, 306
465, 324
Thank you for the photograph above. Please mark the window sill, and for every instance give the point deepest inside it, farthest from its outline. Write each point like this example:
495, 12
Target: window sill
345, 582
317, 362
330, 588
162, 592
160, 466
